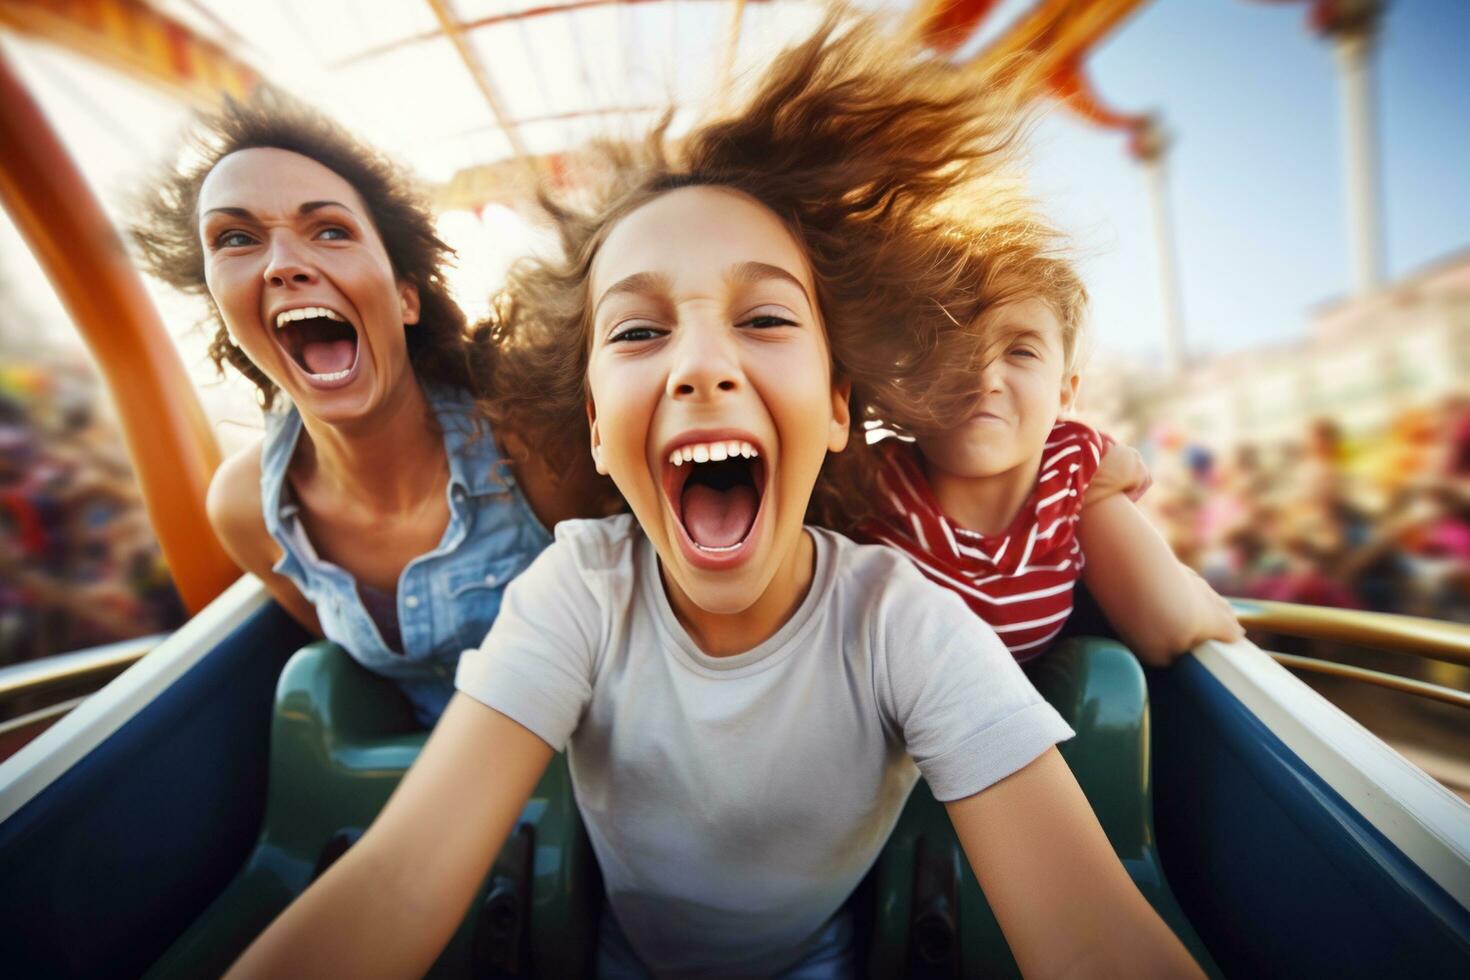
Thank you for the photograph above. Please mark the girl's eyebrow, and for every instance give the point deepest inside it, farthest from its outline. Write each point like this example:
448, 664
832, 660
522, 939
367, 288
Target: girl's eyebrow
753, 272
639, 283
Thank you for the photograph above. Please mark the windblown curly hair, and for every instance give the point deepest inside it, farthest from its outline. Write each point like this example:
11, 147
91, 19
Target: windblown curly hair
166, 231
871, 156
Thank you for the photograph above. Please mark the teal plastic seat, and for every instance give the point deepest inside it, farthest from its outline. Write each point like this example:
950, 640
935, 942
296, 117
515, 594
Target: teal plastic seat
341, 740
931, 917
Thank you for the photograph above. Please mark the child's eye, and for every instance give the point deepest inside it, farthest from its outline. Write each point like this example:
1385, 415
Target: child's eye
766, 321
635, 334
1023, 352
233, 239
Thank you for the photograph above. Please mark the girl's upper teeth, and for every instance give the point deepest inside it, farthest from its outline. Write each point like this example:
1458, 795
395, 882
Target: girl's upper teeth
306, 313
712, 452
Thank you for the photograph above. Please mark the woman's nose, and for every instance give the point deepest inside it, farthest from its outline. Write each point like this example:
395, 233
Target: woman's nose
286, 263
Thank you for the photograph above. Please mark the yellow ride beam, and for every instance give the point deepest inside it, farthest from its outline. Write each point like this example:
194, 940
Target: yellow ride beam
168, 437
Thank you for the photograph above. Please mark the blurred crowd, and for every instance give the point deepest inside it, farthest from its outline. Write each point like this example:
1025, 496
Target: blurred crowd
79, 565
1378, 521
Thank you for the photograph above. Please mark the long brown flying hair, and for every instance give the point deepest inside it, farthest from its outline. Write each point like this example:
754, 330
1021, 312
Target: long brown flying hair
871, 156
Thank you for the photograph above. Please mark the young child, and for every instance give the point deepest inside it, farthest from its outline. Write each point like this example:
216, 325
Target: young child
1011, 508
743, 698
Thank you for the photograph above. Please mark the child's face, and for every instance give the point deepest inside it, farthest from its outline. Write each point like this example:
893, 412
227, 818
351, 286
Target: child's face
1022, 392
706, 339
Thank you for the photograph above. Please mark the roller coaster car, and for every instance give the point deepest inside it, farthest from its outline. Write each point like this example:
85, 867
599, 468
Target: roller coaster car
342, 737
164, 822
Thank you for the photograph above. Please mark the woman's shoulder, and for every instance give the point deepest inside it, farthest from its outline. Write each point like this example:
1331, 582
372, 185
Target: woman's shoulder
233, 504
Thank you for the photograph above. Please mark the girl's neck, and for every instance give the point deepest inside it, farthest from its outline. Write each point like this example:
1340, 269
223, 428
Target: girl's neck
987, 504
389, 462
728, 634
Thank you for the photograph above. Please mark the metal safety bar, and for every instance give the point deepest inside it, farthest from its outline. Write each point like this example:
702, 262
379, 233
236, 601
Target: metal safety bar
1430, 638
65, 668
1407, 685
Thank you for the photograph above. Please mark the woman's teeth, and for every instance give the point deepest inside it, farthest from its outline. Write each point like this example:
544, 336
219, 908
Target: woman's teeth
712, 452
333, 375
307, 313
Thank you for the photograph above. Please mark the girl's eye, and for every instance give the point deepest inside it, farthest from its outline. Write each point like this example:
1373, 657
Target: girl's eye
233, 239
333, 233
767, 320
1023, 352
633, 335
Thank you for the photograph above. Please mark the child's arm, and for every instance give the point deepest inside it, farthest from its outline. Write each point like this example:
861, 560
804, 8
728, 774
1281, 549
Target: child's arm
1067, 907
387, 908
1159, 606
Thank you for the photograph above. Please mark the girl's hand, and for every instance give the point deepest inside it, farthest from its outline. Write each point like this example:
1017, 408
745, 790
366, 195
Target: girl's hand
1217, 617
1122, 471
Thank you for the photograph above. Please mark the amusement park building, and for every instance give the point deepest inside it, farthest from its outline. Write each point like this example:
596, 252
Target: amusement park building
1364, 361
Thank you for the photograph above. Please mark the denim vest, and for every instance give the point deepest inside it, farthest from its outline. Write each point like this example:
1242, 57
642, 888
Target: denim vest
447, 598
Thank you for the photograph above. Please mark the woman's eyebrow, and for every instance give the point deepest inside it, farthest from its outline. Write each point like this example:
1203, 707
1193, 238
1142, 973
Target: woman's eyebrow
753, 272
306, 208
639, 283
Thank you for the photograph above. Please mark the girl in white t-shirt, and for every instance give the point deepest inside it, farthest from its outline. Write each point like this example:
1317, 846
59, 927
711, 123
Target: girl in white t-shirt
745, 700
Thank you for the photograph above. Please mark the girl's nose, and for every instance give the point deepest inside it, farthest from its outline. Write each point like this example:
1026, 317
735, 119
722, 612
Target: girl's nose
705, 363
992, 375
287, 264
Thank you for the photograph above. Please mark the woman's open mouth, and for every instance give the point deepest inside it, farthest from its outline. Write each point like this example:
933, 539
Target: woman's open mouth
715, 489
321, 342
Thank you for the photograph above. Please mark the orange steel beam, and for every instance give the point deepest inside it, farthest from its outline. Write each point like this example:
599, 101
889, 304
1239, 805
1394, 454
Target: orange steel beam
943, 25
168, 437
133, 38
450, 25
1056, 33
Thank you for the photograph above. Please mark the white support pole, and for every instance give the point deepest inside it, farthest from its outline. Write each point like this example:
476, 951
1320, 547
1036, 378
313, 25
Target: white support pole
1352, 26
1151, 148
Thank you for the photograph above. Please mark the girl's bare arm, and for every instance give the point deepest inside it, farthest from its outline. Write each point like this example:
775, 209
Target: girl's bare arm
1159, 606
388, 907
1060, 894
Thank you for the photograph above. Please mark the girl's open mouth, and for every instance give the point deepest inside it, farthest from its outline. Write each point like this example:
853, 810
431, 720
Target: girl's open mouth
715, 490
321, 342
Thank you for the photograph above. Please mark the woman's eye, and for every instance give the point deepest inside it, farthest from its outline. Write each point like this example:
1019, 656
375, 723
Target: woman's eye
333, 233
633, 335
233, 239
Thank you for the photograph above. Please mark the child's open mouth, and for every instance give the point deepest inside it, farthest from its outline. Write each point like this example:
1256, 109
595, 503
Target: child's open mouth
715, 489
321, 342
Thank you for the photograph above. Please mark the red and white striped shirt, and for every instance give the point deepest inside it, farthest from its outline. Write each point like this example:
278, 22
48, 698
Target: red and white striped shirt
1019, 581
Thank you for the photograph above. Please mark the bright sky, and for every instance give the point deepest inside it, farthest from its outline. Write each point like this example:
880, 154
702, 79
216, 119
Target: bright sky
1256, 172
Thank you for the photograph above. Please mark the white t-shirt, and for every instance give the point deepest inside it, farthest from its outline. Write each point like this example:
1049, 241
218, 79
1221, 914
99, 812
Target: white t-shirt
735, 802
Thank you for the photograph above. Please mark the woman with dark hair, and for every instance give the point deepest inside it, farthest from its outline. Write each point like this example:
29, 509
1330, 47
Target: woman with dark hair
379, 509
